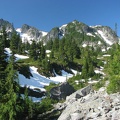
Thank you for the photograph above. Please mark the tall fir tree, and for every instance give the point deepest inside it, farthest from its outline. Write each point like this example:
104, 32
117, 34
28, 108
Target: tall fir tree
15, 43
56, 44
32, 51
42, 52
3, 63
8, 107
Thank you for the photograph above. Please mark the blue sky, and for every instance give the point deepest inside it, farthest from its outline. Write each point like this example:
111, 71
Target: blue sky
46, 14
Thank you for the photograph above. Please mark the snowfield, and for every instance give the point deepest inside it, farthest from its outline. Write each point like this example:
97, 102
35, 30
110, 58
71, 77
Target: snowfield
63, 26
38, 81
90, 34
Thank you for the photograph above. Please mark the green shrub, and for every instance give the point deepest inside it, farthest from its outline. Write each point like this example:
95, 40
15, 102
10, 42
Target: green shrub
45, 105
51, 85
114, 85
98, 85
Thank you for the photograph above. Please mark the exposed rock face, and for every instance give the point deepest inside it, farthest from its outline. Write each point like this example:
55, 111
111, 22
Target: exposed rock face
55, 33
9, 27
60, 92
108, 33
80, 93
33, 32
97, 105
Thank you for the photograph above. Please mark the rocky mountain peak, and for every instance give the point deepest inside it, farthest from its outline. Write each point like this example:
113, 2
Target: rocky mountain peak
9, 27
29, 33
104, 33
25, 28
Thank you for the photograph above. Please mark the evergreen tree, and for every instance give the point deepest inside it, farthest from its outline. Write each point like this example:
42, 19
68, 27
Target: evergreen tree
8, 107
76, 50
28, 106
38, 49
85, 68
16, 43
49, 44
3, 63
56, 45
62, 54
33, 52
25, 47
113, 70
5, 37
52, 54
88, 63
42, 52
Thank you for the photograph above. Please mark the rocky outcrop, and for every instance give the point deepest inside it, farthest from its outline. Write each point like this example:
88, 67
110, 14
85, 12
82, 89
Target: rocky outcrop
80, 93
60, 92
97, 105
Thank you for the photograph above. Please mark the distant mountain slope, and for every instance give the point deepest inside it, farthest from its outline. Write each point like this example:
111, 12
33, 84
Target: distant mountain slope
8, 25
107, 34
29, 33
75, 29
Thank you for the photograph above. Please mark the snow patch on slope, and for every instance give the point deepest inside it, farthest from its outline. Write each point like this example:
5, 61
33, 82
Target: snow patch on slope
44, 33
61, 78
18, 30
63, 26
104, 37
90, 34
84, 45
17, 57
39, 81
95, 26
